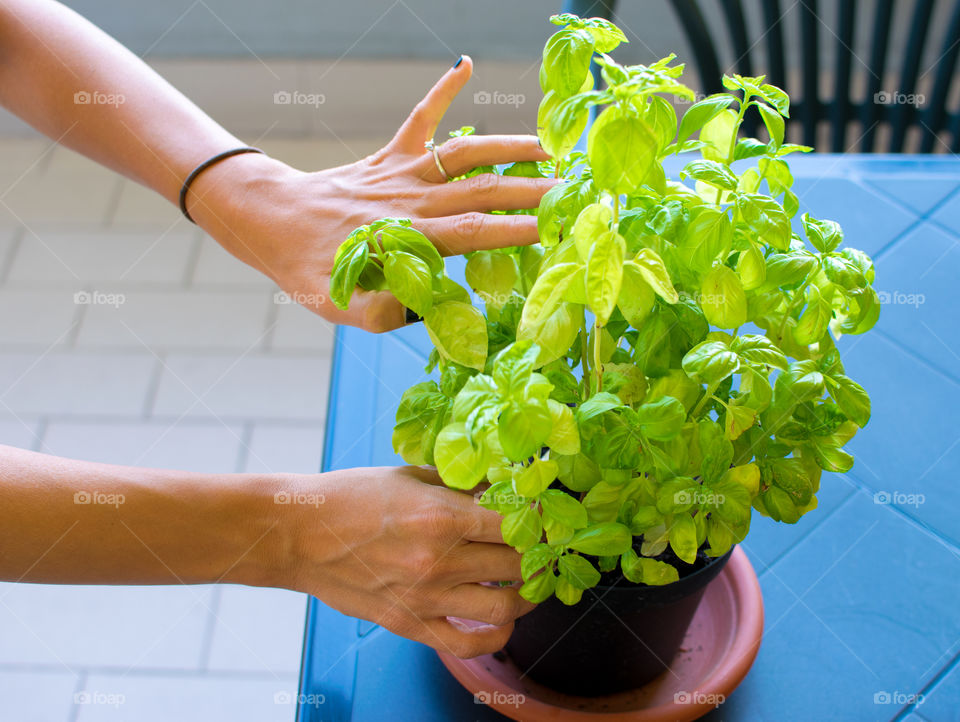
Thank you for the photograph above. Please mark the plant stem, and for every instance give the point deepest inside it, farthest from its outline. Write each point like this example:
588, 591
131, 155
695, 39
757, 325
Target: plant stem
584, 354
711, 389
733, 141
597, 366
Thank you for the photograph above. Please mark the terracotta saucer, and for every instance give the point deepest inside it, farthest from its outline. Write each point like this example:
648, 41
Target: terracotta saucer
716, 655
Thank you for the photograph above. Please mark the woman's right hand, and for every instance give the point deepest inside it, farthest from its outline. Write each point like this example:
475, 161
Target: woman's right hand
394, 546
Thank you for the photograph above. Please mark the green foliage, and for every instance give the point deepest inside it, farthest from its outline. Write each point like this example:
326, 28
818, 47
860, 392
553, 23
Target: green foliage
664, 361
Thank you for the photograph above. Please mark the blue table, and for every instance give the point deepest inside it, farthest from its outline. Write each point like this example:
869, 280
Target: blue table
861, 596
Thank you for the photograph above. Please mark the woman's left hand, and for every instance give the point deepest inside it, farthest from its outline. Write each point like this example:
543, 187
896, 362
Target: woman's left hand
288, 223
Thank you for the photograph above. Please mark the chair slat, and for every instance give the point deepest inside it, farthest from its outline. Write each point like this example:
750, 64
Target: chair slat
872, 112
776, 60
901, 113
935, 116
811, 72
840, 105
701, 43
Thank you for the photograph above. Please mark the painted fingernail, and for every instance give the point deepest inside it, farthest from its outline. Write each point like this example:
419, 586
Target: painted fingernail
459, 60
539, 143
411, 316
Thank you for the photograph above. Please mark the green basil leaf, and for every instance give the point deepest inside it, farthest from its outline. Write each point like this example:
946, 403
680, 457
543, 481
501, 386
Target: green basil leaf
566, 60
459, 331
547, 294
578, 571
654, 272
815, 318
662, 419
774, 122
604, 539
537, 557
710, 362
459, 464
767, 218
530, 481
683, 537
722, 298
564, 435
409, 279
708, 171
539, 588
523, 429
825, 236
347, 267
492, 275
605, 275
563, 508
701, 113
521, 529
622, 150
851, 397
708, 237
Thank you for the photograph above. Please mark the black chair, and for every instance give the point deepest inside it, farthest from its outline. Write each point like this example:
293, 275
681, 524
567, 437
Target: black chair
838, 110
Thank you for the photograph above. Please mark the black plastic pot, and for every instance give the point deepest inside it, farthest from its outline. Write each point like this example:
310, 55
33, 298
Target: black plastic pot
617, 638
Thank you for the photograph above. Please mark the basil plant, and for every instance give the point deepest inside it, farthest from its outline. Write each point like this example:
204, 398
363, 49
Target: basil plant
663, 362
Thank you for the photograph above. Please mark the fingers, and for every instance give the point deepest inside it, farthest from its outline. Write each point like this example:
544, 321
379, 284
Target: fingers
484, 562
426, 116
476, 523
486, 192
373, 311
458, 234
490, 605
462, 640
459, 155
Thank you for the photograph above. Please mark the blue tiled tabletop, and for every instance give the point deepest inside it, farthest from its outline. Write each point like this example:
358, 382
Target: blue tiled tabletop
861, 596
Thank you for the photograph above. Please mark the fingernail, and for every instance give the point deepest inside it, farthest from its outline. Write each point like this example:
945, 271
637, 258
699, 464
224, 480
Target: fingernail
539, 143
411, 316
459, 60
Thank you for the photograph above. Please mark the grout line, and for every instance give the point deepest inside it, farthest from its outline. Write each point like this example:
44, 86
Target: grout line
921, 215
820, 522
918, 222
153, 388
162, 672
82, 679
113, 202
273, 318
949, 667
213, 614
880, 333
40, 436
952, 545
243, 453
6, 263
193, 260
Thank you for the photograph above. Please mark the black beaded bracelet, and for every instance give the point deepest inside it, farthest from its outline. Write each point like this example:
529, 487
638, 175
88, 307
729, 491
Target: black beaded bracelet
202, 167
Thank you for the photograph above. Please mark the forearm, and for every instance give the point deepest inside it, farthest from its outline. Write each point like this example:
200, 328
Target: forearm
48, 54
66, 521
